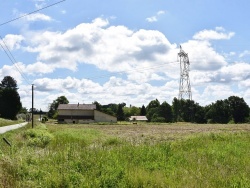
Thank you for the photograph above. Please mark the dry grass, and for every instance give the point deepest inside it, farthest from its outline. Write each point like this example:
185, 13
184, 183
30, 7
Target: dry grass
142, 132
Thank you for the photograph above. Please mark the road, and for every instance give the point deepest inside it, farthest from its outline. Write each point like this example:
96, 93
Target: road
12, 127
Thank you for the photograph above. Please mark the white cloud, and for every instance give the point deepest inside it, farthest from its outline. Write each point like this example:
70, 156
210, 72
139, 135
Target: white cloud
217, 34
12, 71
161, 12
111, 48
140, 56
152, 19
87, 91
37, 17
232, 73
155, 17
202, 56
245, 53
63, 11
12, 41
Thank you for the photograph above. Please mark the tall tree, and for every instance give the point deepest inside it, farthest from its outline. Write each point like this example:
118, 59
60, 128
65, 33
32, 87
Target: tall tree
153, 104
238, 108
8, 83
54, 105
152, 109
10, 103
143, 111
165, 111
120, 113
175, 107
218, 112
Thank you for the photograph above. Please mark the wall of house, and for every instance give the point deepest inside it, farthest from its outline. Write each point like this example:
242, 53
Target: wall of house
102, 117
76, 112
98, 116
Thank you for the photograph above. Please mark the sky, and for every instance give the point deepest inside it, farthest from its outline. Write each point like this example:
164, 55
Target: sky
117, 51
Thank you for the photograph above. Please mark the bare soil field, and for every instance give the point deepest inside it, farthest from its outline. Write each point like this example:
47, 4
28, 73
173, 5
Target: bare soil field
142, 132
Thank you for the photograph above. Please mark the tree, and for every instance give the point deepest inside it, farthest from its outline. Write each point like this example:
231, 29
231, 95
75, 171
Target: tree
54, 105
175, 108
23, 110
8, 83
153, 104
199, 114
120, 113
165, 111
110, 109
131, 111
218, 112
238, 108
10, 103
143, 111
98, 106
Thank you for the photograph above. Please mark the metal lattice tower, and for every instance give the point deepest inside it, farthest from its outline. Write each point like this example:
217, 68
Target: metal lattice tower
185, 87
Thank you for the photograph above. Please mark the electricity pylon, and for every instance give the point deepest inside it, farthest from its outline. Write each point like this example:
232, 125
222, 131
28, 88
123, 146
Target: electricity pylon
185, 87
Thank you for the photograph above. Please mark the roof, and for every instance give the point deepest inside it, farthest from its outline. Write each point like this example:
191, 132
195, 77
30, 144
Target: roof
138, 118
76, 107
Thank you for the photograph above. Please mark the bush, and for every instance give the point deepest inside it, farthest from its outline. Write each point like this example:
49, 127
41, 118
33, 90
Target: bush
158, 119
38, 137
44, 119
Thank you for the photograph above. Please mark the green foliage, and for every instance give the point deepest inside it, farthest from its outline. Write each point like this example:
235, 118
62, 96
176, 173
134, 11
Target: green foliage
239, 109
52, 113
10, 103
209, 160
6, 122
153, 104
38, 137
8, 83
143, 111
157, 112
218, 112
131, 111
120, 114
155, 118
222, 111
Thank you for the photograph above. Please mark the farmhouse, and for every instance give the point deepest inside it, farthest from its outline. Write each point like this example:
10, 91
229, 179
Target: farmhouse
82, 113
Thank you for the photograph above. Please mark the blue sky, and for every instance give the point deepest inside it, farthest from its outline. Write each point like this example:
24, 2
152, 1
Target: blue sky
126, 51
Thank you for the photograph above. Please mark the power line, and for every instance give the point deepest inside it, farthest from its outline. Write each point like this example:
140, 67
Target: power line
32, 12
13, 60
8, 52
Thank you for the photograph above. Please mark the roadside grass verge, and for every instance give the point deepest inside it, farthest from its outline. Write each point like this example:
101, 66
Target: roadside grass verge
6, 122
79, 156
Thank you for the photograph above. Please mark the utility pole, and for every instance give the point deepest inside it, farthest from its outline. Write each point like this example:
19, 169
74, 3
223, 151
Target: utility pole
185, 87
32, 108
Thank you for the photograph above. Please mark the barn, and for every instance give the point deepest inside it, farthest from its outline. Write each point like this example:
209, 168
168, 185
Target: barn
82, 113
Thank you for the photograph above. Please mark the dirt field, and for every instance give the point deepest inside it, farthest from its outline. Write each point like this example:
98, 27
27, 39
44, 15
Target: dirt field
163, 132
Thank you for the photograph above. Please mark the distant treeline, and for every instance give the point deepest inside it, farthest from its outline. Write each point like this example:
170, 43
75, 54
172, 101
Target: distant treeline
231, 110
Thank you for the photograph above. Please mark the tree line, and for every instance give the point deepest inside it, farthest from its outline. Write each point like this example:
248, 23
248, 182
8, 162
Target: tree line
231, 110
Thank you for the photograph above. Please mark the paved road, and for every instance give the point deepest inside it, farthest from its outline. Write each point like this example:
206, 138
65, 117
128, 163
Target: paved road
12, 127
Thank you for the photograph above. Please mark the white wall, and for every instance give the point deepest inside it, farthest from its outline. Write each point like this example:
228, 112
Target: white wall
102, 117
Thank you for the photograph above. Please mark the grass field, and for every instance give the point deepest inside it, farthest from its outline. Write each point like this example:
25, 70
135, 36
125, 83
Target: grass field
6, 122
126, 155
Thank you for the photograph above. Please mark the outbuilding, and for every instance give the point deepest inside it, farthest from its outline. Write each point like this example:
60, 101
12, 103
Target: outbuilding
82, 113
138, 118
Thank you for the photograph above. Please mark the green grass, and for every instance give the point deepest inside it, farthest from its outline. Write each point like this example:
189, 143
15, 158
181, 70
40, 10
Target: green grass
6, 122
84, 156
